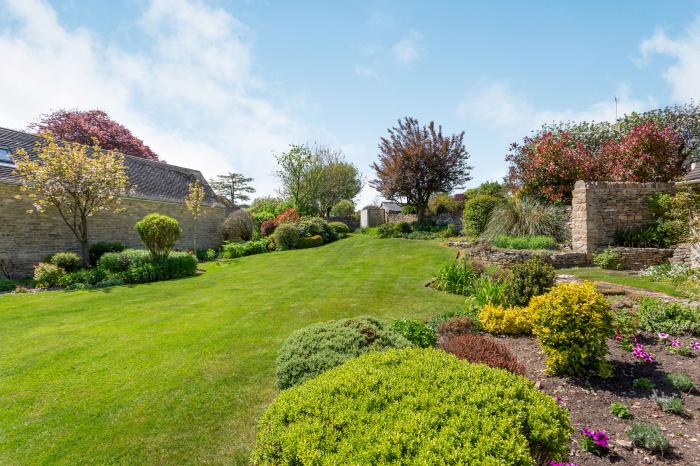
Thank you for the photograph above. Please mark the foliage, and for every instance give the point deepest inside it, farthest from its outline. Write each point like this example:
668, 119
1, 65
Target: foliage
233, 186
524, 242
415, 162
484, 350
286, 236
487, 289
416, 332
238, 226
47, 275
7, 285
268, 227
458, 276
116, 262
316, 226
79, 181
469, 311
336, 180
572, 323
408, 209
321, 346
526, 279
266, 208
643, 383
620, 410
340, 229
526, 217
176, 265
159, 233
98, 249
309, 242
343, 208
457, 325
680, 381
288, 216
444, 203
194, 202
86, 127
670, 404
204, 254
297, 172
488, 416
248, 248
489, 188
674, 318
648, 436
609, 259
477, 212
653, 235
68, 261
499, 320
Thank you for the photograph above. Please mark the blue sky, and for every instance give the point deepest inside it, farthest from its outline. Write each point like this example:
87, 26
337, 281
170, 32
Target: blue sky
219, 85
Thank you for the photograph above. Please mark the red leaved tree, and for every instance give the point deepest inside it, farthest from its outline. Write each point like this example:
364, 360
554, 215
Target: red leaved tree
416, 162
84, 126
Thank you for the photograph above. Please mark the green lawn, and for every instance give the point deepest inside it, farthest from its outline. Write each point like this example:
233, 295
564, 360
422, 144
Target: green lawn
625, 278
178, 372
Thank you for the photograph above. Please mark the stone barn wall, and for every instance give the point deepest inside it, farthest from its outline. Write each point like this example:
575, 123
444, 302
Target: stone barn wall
26, 239
371, 217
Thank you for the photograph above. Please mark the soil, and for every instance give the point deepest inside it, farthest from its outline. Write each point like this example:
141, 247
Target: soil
589, 403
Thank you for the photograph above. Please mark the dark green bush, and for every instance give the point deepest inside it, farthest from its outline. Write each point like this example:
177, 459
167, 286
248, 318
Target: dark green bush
386, 230
249, 248
658, 234
7, 285
116, 262
402, 228
286, 236
159, 233
324, 345
176, 265
524, 242
68, 261
82, 278
477, 212
311, 242
413, 406
608, 259
98, 249
657, 316
527, 279
312, 226
141, 273
416, 332
339, 228
204, 254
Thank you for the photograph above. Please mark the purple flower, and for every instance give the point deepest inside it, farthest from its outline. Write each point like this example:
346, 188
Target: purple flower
662, 335
639, 353
695, 345
600, 438
560, 400
676, 343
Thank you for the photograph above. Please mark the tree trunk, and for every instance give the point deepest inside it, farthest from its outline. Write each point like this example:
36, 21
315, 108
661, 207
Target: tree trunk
84, 246
420, 213
194, 238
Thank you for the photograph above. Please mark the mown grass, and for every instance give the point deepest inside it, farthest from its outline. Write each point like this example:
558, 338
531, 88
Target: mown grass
178, 372
627, 279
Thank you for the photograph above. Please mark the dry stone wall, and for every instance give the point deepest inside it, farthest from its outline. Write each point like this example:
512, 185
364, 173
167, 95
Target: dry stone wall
26, 239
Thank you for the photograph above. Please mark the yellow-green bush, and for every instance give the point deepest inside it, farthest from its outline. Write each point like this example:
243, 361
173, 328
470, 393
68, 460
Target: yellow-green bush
499, 320
572, 323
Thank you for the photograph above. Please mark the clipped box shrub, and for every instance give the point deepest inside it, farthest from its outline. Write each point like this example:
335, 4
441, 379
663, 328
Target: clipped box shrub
499, 320
477, 212
416, 332
286, 236
176, 265
310, 242
68, 261
96, 250
159, 233
324, 345
527, 279
47, 275
249, 248
384, 408
484, 350
572, 323
339, 228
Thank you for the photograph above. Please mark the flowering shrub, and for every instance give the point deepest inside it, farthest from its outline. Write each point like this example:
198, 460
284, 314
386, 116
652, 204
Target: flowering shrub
484, 350
595, 442
268, 227
288, 216
499, 320
47, 275
382, 408
572, 323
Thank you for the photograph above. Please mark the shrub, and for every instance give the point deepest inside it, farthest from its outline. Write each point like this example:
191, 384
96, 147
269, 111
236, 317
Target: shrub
268, 227
176, 265
670, 404
310, 242
451, 314
680, 381
312, 226
47, 275
610, 259
670, 317
339, 228
290, 215
98, 249
140, 273
116, 262
487, 290
249, 248
205, 254
484, 350
526, 217
643, 383
648, 436
107, 282
7, 285
81, 279
402, 228
238, 226
455, 326
572, 323
658, 234
492, 188
383, 408
524, 242
499, 320
344, 208
286, 236
527, 279
68, 261
159, 233
443, 203
385, 230
477, 212
321, 346
416, 332
458, 276
420, 235
620, 410
408, 209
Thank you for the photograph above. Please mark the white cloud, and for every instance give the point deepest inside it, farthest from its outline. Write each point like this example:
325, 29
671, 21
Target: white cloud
407, 50
365, 71
684, 74
189, 92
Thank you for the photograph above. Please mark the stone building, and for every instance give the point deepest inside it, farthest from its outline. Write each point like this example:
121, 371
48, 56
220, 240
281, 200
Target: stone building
156, 187
692, 180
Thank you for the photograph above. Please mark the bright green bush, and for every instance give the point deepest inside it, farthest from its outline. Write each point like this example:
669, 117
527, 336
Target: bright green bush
159, 233
344, 208
340, 228
96, 250
413, 406
487, 289
249, 248
458, 276
620, 410
116, 262
524, 242
313, 226
572, 323
527, 279
477, 212
47, 275
146, 272
324, 345
68, 261
416, 332
310, 242
81, 279
286, 236
610, 259
674, 318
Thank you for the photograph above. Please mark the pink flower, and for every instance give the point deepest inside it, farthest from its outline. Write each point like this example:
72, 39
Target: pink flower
639, 353
676, 343
695, 345
662, 335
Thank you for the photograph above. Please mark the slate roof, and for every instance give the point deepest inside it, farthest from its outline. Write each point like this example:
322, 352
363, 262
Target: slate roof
148, 179
694, 175
391, 206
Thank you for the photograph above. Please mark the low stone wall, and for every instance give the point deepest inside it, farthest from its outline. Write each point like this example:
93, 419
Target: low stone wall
641, 258
506, 257
396, 218
681, 254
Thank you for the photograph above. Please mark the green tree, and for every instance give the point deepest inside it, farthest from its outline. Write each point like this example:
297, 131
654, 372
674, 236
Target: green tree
299, 172
336, 180
194, 202
233, 186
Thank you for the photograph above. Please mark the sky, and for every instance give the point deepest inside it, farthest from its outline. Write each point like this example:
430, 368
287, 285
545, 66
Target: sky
221, 85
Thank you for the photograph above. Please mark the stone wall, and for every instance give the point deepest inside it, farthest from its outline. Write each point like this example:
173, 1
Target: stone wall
506, 257
396, 218
641, 258
601, 208
681, 254
371, 217
695, 255
26, 239
352, 222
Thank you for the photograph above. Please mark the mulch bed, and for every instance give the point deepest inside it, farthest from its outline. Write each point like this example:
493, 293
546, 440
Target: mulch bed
589, 403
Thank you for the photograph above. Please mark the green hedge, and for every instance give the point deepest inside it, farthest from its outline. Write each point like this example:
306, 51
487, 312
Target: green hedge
477, 212
413, 406
311, 242
248, 248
